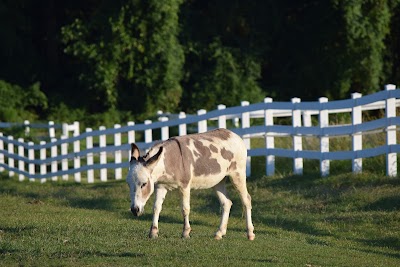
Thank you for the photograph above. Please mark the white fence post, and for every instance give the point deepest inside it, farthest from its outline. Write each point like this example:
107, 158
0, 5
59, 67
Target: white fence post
89, 157
42, 157
10, 147
269, 139
31, 157
182, 127
76, 128
27, 128
202, 125
148, 134
77, 149
307, 122
65, 129
297, 139
64, 152
1, 154
54, 163
103, 154
52, 130
21, 162
117, 155
222, 118
391, 158
246, 137
356, 116
164, 129
324, 140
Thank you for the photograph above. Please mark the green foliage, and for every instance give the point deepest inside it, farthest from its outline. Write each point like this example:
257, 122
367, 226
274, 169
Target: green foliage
134, 61
18, 104
141, 56
366, 27
220, 75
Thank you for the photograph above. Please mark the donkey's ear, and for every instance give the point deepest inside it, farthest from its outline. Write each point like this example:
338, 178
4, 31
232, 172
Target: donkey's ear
135, 153
153, 160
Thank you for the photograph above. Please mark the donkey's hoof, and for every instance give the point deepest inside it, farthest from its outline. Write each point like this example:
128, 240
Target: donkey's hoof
186, 233
153, 236
251, 236
218, 237
153, 232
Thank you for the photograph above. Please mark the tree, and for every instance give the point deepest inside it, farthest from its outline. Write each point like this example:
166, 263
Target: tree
18, 104
366, 28
130, 55
220, 75
222, 64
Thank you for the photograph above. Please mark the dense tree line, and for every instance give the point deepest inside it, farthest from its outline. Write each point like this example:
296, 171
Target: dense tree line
116, 59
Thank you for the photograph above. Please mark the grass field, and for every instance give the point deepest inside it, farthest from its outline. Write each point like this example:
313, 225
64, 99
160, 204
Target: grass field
342, 220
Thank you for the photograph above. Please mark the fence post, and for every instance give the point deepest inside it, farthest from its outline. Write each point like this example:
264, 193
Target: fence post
65, 129
64, 161
89, 157
182, 127
297, 139
10, 147
324, 140
246, 137
391, 158
52, 130
1, 154
164, 129
356, 115
21, 162
201, 125
131, 138
54, 163
307, 122
221, 118
269, 139
27, 128
117, 155
77, 149
103, 154
42, 157
76, 128
148, 133
31, 157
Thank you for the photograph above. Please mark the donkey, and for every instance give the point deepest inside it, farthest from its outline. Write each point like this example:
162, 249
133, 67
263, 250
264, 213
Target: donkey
195, 161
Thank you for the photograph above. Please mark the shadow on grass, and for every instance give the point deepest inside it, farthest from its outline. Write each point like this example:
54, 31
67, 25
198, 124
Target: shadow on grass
288, 224
389, 203
118, 255
387, 254
391, 242
84, 196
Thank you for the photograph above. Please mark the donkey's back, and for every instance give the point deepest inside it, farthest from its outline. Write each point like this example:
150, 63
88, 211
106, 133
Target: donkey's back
203, 160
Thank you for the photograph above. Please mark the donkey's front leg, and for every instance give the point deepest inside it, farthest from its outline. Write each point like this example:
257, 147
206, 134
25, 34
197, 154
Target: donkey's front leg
160, 196
185, 212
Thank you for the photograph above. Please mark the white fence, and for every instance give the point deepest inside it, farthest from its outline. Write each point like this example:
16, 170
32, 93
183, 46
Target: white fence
50, 127
101, 153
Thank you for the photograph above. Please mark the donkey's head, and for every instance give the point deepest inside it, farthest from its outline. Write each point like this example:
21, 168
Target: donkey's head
139, 178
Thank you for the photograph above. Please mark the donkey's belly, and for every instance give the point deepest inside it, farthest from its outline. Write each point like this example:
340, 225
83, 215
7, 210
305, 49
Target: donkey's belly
204, 182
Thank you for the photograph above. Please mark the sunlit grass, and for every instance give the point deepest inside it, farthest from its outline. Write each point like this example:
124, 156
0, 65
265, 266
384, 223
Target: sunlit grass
342, 220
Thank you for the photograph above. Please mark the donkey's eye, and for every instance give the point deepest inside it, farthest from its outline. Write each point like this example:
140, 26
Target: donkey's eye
143, 185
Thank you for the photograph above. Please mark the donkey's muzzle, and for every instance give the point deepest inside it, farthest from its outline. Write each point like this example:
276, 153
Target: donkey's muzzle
135, 211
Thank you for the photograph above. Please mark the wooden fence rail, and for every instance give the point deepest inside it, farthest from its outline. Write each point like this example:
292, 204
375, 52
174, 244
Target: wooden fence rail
100, 153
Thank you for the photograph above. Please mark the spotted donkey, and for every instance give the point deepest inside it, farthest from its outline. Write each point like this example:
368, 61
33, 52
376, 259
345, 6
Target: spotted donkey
195, 161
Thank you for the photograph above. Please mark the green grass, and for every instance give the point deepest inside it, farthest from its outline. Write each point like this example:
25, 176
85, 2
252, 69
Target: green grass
343, 220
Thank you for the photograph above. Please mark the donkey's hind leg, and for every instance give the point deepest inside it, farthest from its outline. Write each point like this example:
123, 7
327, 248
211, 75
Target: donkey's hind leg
226, 205
239, 182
